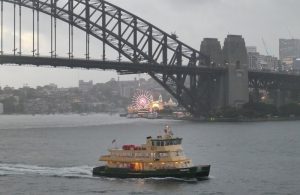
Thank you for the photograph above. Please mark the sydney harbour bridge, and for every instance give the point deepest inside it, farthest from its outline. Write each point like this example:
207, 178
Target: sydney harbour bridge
200, 80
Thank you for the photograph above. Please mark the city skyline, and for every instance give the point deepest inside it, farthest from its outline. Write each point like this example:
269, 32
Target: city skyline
195, 20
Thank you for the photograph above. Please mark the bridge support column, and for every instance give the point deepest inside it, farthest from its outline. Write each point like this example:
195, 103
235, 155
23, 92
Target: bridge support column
212, 48
280, 98
237, 85
237, 82
219, 92
256, 95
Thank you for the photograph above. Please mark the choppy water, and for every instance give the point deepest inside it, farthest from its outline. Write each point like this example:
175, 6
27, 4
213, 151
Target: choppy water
54, 154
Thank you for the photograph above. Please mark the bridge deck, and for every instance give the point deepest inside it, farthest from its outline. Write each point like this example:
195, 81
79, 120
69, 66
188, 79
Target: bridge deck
121, 67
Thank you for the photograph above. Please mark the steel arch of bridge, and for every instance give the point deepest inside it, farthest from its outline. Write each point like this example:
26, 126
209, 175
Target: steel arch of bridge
132, 37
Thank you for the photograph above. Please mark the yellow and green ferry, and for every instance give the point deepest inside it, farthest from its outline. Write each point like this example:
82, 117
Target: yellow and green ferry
159, 157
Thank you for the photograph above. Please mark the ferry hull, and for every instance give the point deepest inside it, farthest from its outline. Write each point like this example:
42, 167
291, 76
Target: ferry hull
198, 172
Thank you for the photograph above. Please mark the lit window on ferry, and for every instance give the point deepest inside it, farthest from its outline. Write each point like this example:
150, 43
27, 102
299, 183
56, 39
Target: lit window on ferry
166, 142
163, 154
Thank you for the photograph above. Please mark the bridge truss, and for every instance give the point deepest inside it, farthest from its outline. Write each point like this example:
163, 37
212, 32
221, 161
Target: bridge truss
275, 83
180, 69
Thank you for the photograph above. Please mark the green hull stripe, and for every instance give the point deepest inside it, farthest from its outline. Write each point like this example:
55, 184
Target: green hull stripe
191, 172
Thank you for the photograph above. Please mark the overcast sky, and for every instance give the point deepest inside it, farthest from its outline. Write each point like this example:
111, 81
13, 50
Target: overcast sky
192, 20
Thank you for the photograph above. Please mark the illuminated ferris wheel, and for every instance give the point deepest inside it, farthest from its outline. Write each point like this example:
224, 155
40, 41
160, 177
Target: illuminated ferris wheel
142, 99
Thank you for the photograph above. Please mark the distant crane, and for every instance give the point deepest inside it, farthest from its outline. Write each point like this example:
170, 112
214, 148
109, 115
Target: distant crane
292, 37
265, 46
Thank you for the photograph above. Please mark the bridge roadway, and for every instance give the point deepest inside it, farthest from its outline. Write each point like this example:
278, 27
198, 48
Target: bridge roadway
121, 67
273, 75
129, 67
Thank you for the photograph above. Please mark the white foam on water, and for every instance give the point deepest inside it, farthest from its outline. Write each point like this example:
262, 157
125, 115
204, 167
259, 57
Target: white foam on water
192, 180
22, 169
68, 172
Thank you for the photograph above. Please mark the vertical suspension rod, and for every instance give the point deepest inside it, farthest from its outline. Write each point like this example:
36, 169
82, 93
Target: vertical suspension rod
70, 7
33, 28
72, 41
1, 27
51, 29
55, 4
135, 40
179, 63
20, 28
38, 29
150, 52
87, 17
103, 32
14, 50
165, 50
120, 33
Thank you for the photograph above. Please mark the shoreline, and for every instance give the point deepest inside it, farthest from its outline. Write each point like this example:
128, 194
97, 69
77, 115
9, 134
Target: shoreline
210, 120
238, 120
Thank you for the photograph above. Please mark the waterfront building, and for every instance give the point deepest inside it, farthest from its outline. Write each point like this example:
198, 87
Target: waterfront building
36, 106
127, 88
288, 63
296, 64
85, 86
170, 103
268, 63
253, 60
251, 49
256, 61
289, 49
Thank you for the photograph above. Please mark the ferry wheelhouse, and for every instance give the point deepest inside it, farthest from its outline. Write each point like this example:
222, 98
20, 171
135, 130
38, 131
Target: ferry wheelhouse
162, 156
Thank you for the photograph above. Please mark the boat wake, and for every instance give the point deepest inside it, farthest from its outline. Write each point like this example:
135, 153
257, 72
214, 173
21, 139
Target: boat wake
7, 169
70, 172
168, 179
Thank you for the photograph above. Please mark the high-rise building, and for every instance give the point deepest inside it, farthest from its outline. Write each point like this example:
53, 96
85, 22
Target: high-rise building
289, 49
251, 49
253, 60
268, 63
297, 64
261, 62
85, 86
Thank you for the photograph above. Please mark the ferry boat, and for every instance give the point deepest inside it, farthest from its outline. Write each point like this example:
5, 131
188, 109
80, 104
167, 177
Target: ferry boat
159, 157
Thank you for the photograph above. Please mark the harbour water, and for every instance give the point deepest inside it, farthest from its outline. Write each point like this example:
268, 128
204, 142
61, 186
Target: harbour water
54, 154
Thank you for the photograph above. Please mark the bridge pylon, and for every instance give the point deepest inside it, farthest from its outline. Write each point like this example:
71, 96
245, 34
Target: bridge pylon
237, 82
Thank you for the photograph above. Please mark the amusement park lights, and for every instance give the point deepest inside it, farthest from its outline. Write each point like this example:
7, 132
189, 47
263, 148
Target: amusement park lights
142, 99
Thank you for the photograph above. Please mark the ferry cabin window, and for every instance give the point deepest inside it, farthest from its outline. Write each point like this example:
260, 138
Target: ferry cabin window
163, 154
166, 142
158, 143
176, 141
